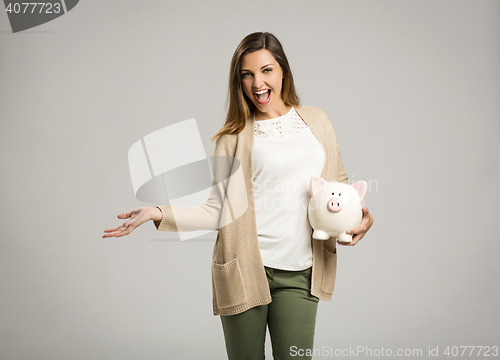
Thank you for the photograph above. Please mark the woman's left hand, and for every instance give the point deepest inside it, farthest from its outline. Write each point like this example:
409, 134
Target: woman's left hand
360, 231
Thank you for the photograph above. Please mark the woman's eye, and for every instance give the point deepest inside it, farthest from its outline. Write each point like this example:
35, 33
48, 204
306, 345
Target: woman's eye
267, 70
245, 75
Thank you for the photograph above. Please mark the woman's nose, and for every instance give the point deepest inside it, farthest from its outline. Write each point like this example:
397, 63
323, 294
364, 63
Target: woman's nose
257, 81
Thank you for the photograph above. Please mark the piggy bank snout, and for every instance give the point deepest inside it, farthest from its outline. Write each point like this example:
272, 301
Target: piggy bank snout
335, 204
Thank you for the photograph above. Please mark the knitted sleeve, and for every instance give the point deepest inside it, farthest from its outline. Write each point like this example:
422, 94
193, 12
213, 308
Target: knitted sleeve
214, 213
341, 173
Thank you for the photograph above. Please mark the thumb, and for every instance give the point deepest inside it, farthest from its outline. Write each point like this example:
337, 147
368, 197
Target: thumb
125, 215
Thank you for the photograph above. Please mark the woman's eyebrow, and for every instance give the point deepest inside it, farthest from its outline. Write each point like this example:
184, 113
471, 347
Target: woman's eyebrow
260, 68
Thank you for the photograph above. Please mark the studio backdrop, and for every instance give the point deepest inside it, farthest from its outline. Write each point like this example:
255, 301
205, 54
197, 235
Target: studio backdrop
412, 89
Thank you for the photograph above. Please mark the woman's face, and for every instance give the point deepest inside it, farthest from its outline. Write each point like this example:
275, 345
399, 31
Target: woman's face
261, 79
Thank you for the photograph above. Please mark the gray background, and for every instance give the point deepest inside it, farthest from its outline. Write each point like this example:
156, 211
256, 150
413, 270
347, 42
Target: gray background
412, 89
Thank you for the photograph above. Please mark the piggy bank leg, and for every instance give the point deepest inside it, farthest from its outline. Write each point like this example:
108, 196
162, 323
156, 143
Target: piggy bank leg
345, 238
320, 235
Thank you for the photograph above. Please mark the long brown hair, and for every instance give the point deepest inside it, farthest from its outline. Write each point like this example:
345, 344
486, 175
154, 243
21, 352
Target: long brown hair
240, 106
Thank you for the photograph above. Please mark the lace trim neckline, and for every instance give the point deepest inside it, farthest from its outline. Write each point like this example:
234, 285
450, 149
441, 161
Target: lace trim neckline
282, 127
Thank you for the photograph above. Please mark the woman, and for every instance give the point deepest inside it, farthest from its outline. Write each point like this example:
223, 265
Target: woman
266, 270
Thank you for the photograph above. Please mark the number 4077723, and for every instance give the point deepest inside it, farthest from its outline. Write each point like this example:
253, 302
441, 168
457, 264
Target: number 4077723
33, 8
471, 350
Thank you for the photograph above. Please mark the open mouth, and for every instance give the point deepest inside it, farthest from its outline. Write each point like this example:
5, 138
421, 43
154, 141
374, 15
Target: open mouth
263, 96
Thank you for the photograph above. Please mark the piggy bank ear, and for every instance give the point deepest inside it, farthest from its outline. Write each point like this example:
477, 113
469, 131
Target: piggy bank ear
360, 187
316, 183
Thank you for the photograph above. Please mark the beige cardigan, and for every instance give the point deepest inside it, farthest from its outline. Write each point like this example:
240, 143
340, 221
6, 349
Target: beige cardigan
238, 277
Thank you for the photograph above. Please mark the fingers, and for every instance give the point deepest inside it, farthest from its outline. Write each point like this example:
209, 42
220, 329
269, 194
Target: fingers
367, 216
366, 221
359, 232
118, 233
352, 243
124, 229
121, 230
112, 232
356, 237
363, 227
113, 229
125, 215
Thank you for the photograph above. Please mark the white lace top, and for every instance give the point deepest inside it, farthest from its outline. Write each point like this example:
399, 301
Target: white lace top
286, 154
283, 127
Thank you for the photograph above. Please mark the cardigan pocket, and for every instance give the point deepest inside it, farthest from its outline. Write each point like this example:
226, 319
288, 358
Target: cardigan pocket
329, 271
229, 285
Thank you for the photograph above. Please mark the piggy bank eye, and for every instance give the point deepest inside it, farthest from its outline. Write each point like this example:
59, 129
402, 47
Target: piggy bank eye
340, 194
333, 194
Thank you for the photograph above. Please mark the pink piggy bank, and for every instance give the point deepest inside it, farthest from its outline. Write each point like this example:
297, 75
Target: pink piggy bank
334, 208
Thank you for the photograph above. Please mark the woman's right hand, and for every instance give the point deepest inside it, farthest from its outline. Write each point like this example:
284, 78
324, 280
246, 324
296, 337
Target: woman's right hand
136, 217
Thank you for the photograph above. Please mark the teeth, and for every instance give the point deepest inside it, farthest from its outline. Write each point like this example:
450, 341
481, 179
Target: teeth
261, 92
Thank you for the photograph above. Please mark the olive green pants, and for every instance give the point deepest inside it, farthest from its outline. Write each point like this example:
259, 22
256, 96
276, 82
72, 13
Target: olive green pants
291, 318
